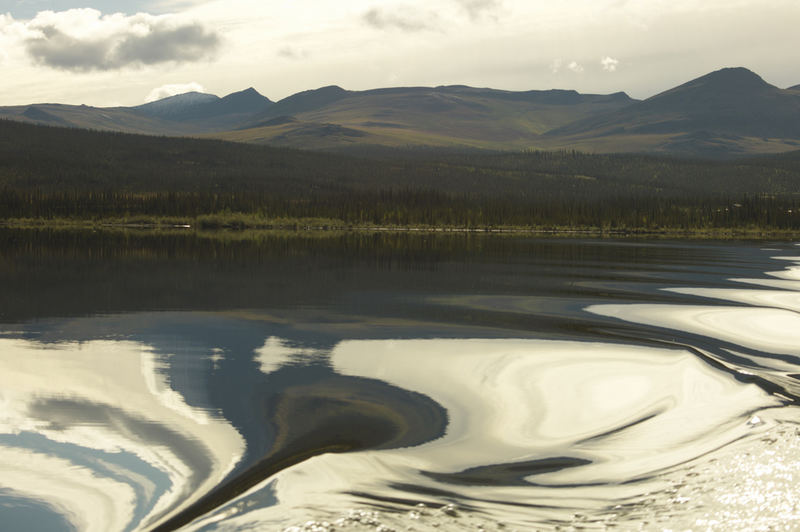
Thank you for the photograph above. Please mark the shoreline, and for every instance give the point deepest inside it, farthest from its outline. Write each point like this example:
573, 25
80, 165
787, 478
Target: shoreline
315, 225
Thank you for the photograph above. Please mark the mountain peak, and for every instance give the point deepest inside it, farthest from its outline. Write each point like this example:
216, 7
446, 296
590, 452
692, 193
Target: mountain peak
726, 81
728, 86
200, 106
249, 96
177, 104
731, 101
328, 91
738, 76
620, 96
249, 92
189, 97
303, 102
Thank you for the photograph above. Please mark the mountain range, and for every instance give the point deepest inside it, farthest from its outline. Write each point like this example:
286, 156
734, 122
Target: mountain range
727, 113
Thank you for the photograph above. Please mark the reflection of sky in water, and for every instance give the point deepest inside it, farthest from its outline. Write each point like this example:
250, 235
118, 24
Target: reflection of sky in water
524, 400
94, 430
609, 413
118, 422
563, 426
764, 321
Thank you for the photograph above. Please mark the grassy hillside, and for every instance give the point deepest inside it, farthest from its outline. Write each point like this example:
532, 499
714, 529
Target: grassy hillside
441, 116
185, 114
121, 119
331, 117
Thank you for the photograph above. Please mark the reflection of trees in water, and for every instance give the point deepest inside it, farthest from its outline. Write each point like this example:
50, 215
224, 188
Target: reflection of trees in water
63, 273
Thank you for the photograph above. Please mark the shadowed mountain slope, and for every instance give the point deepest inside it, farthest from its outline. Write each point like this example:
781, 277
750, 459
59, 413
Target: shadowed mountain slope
724, 110
196, 107
732, 101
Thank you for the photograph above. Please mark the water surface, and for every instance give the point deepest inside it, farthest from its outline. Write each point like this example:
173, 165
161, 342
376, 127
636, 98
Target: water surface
396, 381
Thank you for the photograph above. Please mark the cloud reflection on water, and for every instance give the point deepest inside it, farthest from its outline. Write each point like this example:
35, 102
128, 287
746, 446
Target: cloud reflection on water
102, 436
522, 430
678, 438
768, 323
624, 408
610, 413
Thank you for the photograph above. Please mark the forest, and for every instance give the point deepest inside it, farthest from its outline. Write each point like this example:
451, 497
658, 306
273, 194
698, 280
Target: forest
50, 173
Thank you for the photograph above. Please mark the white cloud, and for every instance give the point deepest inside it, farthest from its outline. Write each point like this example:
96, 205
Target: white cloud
165, 91
575, 67
516, 52
85, 40
401, 19
476, 8
609, 64
290, 52
277, 352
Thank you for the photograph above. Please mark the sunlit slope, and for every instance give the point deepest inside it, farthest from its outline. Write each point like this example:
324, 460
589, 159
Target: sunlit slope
440, 116
185, 114
122, 119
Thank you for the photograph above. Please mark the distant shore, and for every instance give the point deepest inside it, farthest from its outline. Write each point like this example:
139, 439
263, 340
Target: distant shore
244, 225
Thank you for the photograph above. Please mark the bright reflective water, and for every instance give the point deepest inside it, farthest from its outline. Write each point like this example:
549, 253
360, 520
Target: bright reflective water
397, 382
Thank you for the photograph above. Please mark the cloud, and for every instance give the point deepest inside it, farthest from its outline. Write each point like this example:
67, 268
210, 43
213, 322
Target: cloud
575, 67
477, 8
411, 19
404, 20
84, 40
609, 64
557, 64
288, 52
166, 91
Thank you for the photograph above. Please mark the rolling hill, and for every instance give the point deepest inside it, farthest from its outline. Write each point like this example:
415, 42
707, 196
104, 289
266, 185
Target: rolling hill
728, 113
185, 114
120, 119
208, 111
332, 117
439, 116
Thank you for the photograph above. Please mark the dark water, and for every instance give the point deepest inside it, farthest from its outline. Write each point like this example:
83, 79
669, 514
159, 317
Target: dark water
397, 382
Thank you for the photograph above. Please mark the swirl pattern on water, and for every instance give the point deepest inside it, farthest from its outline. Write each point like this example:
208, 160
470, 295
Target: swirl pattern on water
527, 417
561, 432
521, 396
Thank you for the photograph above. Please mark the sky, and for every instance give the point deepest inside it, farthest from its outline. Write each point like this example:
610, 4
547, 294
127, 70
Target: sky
127, 52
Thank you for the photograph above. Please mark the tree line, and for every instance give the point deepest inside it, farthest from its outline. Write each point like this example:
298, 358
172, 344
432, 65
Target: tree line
50, 172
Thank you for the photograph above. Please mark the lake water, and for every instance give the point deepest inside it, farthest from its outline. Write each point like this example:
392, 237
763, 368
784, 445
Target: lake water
397, 382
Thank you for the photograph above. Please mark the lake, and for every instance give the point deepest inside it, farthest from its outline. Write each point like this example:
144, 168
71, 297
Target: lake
396, 381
